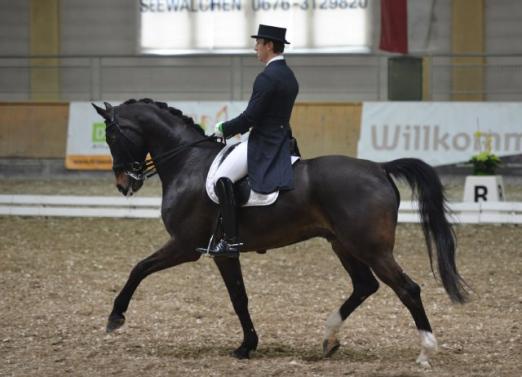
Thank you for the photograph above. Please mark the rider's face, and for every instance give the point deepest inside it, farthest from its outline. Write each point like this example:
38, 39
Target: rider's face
263, 49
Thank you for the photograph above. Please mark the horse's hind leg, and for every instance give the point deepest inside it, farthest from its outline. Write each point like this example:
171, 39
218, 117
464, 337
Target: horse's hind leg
364, 285
167, 256
387, 269
230, 270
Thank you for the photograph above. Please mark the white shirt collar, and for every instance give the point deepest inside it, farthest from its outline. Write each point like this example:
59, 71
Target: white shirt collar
278, 57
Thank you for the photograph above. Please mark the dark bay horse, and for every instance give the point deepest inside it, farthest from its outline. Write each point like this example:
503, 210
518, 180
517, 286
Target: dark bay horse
352, 203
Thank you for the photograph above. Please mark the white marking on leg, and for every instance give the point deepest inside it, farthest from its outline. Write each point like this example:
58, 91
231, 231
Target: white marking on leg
332, 326
428, 348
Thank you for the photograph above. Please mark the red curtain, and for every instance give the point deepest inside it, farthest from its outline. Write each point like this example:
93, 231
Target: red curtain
394, 26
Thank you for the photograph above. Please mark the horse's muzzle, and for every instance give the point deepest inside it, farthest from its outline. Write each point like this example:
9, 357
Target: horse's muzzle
126, 184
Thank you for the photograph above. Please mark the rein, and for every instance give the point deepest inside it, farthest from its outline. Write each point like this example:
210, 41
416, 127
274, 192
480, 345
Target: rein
142, 171
146, 169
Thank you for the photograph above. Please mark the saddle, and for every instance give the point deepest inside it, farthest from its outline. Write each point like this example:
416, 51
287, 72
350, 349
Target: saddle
244, 194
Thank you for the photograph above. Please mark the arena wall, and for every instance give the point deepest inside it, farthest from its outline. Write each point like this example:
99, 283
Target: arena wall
39, 130
89, 31
33, 130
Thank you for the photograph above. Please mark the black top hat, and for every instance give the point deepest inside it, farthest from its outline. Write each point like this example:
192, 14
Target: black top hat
272, 33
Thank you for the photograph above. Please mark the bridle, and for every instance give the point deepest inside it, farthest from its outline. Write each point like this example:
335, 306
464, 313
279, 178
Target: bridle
142, 170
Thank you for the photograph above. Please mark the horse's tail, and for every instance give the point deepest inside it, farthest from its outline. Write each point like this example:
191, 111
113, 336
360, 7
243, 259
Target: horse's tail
427, 187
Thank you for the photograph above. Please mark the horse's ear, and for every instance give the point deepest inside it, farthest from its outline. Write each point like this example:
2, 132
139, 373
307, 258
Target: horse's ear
108, 106
104, 113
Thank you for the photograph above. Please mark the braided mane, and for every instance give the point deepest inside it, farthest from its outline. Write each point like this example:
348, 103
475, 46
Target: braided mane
176, 112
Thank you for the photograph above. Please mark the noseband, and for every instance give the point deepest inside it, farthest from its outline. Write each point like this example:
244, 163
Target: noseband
140, 171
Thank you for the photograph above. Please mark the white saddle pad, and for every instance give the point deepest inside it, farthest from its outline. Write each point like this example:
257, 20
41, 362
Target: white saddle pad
255, 199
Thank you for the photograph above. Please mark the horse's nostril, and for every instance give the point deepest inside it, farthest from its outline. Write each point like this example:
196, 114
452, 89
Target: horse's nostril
122, 189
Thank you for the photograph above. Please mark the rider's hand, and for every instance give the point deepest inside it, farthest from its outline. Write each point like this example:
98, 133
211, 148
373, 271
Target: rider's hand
218, 129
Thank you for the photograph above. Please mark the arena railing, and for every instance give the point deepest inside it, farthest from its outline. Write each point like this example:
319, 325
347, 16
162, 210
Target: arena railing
358, 77
149, 207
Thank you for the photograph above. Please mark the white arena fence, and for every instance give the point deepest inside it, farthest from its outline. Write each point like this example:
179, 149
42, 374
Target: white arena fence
149, 207
80, 206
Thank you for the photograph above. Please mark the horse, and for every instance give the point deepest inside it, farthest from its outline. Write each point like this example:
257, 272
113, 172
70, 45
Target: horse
352, 203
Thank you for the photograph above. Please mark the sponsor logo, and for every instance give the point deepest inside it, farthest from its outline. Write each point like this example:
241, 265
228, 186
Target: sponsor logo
431, 138
98, 133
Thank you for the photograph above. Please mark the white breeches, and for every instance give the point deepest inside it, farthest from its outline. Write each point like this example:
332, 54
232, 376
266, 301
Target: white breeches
235, 165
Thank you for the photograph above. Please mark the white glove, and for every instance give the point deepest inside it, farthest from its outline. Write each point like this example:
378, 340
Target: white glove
218, 129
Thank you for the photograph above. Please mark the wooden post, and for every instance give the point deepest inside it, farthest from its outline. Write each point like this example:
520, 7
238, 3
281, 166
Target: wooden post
45, 41
468, 37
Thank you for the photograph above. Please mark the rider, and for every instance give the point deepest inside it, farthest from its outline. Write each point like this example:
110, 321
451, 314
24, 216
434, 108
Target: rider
265, 156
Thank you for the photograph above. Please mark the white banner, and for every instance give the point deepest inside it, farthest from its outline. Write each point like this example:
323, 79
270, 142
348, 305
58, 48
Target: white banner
439, 133
86, 146
225, 26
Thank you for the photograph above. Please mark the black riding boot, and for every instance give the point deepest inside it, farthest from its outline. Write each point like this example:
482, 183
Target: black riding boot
229, 245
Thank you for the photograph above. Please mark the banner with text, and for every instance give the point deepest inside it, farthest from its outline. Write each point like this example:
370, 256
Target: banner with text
439, 133
86, 146
225, 26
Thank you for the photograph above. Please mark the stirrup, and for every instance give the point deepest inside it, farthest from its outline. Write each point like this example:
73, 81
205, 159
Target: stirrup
206, 251
212, 251
225, 249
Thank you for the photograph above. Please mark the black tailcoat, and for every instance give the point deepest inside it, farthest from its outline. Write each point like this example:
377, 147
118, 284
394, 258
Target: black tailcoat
268, 115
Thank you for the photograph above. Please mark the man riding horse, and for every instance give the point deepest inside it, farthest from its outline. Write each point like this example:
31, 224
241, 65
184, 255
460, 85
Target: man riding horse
265, 156
354, 206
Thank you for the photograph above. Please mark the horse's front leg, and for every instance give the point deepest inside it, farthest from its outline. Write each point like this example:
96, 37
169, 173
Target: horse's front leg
230, 270
171, 254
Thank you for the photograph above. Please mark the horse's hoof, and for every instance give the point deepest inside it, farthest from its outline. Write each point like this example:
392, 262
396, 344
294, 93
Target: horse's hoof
241, 353
115, 322
424, 363
330, 347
